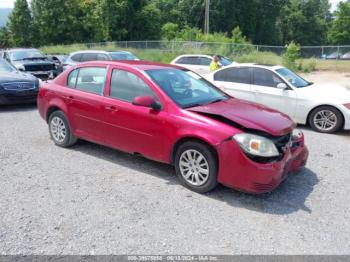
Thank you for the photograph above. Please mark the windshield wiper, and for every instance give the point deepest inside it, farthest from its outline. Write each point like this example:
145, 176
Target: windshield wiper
191, 105
216, 100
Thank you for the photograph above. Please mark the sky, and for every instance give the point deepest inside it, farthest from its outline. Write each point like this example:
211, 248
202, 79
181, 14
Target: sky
9, 3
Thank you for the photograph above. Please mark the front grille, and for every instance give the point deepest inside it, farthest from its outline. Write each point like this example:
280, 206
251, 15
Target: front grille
281, 141
19, 86
33, 68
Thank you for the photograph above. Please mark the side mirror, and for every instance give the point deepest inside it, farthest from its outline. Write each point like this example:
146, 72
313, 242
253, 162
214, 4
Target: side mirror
282, 86
147, 101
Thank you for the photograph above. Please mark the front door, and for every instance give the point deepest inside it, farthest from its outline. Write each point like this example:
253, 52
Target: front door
264, 87
129, 127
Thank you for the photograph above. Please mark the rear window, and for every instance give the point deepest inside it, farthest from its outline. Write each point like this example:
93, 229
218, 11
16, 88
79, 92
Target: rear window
88, 57
76, 57
188, 60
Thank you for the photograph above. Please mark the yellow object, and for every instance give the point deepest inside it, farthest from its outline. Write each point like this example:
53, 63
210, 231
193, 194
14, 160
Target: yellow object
214, 66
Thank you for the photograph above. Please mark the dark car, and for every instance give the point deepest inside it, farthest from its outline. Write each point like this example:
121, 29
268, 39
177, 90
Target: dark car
32, 61
59, 61
17, 87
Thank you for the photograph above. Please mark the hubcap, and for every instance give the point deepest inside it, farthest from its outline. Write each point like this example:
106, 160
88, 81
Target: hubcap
325, 120
58, 129
194, 167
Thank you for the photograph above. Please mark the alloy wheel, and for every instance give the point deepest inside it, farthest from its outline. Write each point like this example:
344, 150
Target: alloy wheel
325, 120
58, 129
194, 167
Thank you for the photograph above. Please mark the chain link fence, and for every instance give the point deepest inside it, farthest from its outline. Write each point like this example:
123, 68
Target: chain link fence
326, 57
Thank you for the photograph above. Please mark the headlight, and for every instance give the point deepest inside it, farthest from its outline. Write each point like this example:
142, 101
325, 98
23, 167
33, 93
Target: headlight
256, 145
297, 134
20, 67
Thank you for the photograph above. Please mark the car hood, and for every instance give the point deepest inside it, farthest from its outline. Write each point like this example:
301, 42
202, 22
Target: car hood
328, 91
33, 62
248, 115
16, 76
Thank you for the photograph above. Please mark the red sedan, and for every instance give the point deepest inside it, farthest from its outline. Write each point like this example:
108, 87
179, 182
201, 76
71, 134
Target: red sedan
172, 115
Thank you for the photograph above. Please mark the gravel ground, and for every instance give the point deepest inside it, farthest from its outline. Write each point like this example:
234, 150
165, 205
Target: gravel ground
93, 200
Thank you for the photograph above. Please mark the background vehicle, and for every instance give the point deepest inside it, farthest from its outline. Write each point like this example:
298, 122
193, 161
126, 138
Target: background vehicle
199, 63
182, 120
332, 56
59, 61
96, 55
31, 61
325, 107
346, 56
16, 87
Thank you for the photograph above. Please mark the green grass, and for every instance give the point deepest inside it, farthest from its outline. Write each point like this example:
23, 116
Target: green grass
241, 56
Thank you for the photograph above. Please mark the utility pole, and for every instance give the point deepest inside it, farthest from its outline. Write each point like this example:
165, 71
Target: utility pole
206, 21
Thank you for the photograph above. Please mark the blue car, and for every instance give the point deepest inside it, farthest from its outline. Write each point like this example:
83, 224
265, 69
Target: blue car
17, 87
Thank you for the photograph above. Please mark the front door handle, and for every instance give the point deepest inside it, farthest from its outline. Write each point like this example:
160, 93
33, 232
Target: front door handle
112, 108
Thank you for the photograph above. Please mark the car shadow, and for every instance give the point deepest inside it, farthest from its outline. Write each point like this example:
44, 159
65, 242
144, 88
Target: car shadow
339, 133
289, 197
18, 108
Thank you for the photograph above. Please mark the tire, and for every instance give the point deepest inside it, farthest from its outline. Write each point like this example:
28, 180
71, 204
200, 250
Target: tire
60, 130
326, 119
201, 168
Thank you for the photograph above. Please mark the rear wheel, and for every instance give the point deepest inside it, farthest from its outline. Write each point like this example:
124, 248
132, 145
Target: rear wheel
326, 119
60, 130
196, 166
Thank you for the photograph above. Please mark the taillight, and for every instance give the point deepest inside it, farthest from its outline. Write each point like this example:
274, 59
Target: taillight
347, 105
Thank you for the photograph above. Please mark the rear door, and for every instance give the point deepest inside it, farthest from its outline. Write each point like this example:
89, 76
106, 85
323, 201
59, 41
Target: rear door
264, 87
236, 81
84, 100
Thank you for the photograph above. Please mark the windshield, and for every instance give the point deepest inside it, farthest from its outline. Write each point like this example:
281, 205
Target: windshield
25, 54
123, 56
186, 88
225, 61
293, 78
6, 67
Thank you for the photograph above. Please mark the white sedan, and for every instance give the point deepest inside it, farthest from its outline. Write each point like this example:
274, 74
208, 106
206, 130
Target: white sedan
325, 107
199, 64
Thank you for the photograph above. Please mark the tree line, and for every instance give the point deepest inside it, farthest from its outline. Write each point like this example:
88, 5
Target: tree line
269, 22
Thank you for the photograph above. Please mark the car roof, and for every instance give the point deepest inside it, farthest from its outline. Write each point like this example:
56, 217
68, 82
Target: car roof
22, 49
120, 52
266, 66
88, 51
190, 55
139, 64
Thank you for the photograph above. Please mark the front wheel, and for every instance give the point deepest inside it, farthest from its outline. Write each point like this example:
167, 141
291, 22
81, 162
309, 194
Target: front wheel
326, 119
60, 130
196, 167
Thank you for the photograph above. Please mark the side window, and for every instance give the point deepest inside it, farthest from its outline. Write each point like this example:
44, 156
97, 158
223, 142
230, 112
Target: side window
72, 78
76, 57
263, 77
204, 61
235, 75
188, 60
102, 57
88, 57
91, 79
126, 86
